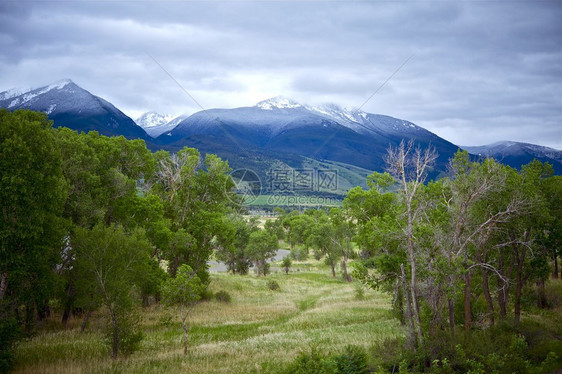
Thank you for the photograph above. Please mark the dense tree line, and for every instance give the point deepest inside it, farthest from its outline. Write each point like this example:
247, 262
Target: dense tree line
89, 221
458, 251
449, 243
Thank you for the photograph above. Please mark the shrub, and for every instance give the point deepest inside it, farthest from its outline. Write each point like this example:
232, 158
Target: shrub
352, 361
273, 285
500, 349
359, 292
128, 333
223, 297
311, 363
207, 295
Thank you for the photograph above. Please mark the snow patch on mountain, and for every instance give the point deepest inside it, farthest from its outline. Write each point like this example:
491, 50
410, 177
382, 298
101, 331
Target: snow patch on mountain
278, 102
13, 92
156, 124
23, 96
153, 119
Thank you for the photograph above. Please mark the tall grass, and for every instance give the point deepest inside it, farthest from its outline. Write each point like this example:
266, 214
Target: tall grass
259, 331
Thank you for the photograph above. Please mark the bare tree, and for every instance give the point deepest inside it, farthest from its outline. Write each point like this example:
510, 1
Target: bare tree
409, 166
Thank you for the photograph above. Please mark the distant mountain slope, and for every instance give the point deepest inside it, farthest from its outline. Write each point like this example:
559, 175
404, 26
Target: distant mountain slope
71, 106
516, 154
155, 124
323, 133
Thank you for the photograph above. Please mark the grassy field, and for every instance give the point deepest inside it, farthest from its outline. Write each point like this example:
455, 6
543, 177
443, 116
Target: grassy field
260, 331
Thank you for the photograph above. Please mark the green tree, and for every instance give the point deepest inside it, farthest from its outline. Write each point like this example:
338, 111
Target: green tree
196, 197
340, 234
262, 246
104, 175
298, 228
32, 194
108, 260
375, 211
287, 264
185, 291
232, 241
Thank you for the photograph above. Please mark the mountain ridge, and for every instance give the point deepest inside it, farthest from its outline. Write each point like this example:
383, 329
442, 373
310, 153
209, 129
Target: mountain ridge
278, 128
516, 154
69, 105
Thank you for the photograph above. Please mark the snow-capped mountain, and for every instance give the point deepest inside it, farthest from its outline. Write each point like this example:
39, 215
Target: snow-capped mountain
152, 119
516, 154
156, 124
278, 102
324, 132
71, 106
273, 129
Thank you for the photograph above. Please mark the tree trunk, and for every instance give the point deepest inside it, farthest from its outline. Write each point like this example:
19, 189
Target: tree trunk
65, 316
398, 303
502, 300
145, 299
184, 338
451, 306
85, 320
344, 269
520, 255
3, 284
333, 269
43, 311
185, 327
503, 291
517, 303
415, 307
555, 272
541, 294
410, 316
489, 301
467, 299
114, 334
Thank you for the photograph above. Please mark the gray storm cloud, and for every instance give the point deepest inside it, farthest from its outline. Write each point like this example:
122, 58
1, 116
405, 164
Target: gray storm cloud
480, 72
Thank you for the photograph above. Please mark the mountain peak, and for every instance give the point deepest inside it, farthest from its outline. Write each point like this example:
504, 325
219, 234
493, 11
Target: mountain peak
18, 91
278, 102
153, 119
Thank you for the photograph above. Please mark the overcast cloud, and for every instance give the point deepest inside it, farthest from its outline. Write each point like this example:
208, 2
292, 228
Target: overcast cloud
480, 72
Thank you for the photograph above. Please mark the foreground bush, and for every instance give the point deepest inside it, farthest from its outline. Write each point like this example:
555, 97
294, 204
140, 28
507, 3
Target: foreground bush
501, 349
352, 361
273, 285
223, 297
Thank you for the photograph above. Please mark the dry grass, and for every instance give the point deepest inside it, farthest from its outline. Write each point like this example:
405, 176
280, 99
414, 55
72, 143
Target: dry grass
260, 331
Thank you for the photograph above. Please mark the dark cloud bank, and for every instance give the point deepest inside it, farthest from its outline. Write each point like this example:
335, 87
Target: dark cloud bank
481, 71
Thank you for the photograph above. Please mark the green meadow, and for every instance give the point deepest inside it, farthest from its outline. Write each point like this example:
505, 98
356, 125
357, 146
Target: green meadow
259, 331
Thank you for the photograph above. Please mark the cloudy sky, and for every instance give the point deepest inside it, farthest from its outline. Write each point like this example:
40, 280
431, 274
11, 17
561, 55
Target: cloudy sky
476, 71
